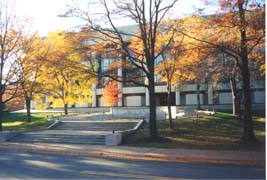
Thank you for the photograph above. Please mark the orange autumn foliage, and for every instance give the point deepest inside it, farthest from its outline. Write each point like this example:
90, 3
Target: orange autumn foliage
110, 94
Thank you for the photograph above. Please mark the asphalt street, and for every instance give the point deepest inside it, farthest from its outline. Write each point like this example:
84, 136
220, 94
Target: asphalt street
35, 166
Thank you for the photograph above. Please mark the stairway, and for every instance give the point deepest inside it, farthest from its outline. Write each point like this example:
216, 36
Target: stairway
36, 137
74, 132
96, 126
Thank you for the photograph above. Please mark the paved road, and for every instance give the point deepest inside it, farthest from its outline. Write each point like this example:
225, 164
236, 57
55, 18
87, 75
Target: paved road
35, 166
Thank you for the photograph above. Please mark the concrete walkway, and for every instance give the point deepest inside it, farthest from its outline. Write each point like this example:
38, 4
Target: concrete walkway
158, 154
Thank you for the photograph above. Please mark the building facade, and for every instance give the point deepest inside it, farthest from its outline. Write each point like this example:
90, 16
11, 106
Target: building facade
184, 95
218, 97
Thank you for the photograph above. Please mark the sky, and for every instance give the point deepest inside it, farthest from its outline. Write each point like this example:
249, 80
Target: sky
44, 13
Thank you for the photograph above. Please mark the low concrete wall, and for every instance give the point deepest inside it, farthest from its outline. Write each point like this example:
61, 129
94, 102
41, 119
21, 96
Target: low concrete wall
127, 133
141, 112
113, 139
84, 110
219, 107
119, 136
89, 109
98, 109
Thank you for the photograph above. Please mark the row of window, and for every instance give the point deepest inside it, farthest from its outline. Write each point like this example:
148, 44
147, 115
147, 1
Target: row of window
128, 74
258, 97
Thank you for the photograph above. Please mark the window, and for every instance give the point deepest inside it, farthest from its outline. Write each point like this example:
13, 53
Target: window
105, 64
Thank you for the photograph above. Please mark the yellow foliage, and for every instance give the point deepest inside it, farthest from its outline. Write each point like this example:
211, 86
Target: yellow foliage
41, 106
51, 99
38, 97
64, 75
57, 103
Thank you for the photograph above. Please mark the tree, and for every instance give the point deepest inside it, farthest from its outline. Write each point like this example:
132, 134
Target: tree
62, 75
224, 63
192, 59
170, 64
149, 16
30, 65
167, 69
110, 94
208, 64
11, 36
238, 31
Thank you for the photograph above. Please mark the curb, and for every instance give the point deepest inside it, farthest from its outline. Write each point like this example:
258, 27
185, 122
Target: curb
130, 156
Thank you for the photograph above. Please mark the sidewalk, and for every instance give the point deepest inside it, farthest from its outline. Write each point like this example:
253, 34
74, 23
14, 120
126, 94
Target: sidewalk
139, 153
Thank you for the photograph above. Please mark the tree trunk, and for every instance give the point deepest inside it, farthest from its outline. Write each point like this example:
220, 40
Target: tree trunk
248, 136
248, 130
169, 106
235, 97
198, 97
239, 95
1, 117
66, 109
2, 105
153, 133
28, 107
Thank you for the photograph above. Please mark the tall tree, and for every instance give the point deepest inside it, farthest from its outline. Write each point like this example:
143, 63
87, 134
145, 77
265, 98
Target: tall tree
167, 69
238, 30
193, 59
62, 75
29, 69
12, 32
149, 16
170, 64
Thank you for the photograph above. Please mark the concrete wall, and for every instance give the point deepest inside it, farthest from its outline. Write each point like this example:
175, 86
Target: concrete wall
225, 98
141, 112
133, 101
220, 107
192, 87
133, 90
259, 96
191, 99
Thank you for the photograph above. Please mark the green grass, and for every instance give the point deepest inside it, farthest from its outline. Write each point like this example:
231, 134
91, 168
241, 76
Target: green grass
220, 131
18, 121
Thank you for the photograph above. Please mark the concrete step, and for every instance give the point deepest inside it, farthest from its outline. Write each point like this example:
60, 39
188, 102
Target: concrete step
60, 138
71, 132
92, 117
93, 126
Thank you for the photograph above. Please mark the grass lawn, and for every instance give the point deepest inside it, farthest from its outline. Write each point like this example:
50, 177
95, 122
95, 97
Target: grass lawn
18, 121
220, 131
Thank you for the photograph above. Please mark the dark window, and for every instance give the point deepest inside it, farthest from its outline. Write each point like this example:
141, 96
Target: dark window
161, 99
132, 74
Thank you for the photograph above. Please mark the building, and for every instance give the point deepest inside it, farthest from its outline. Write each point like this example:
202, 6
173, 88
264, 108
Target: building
216, 95
184, 96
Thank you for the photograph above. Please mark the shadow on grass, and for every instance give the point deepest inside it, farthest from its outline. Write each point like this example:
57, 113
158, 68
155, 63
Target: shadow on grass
21, 117
220, 131
18, 121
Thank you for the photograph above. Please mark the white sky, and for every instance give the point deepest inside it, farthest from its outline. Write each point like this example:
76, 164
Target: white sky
45, 13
